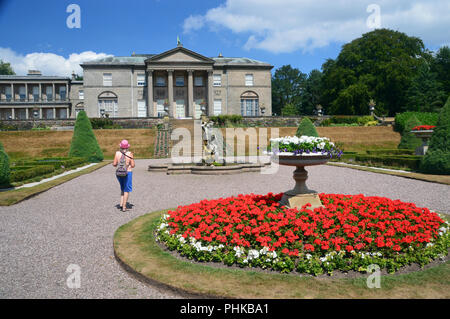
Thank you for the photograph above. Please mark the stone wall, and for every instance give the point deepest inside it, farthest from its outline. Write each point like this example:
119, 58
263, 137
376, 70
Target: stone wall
124, 122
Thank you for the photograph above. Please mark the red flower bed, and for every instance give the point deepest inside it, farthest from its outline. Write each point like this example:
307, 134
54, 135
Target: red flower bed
348, 224
423, 127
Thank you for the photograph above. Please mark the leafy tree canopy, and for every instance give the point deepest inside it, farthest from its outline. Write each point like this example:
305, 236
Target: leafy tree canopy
6, 69
288, 85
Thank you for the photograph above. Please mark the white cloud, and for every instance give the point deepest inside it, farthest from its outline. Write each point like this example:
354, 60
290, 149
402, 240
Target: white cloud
289, 25
48, 63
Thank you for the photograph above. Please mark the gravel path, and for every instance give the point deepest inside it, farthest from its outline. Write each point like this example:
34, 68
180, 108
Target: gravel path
74, 223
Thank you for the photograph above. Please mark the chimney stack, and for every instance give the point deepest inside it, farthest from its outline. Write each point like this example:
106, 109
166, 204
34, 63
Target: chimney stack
34, 72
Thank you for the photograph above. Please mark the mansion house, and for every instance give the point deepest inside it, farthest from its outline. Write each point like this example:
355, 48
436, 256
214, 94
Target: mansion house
179, 83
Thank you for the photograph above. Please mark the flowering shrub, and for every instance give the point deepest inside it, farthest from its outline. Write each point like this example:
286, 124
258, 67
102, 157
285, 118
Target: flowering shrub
423, 127
350, 233
293, 145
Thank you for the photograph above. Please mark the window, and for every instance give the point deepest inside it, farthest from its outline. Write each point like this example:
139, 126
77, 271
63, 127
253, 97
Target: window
22, 93
141, 80
36, 93
142, 108
217, 80
62, 93
8, 93
109, 107
107, 79
249, 80
179, 81
249, 104
160, 81
198, 81
49, 93
217, 107
81, 94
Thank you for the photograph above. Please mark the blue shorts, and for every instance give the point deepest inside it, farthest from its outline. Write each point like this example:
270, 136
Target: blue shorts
126, 182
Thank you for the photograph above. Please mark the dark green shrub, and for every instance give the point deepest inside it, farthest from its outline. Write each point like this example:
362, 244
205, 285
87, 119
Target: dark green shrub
306, 127
4, 169
426, 118
437, 158
84, 143
409, 140
226, 120
363, 120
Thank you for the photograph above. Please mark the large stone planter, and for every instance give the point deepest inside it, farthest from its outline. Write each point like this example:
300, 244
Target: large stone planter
425, 136
300, 195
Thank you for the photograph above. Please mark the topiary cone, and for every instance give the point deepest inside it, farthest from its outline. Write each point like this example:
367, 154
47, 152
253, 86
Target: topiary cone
4, 168
437, 158
306, 127
84, 143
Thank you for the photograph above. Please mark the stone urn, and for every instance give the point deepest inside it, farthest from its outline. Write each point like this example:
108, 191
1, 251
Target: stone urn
425, 136
301, 194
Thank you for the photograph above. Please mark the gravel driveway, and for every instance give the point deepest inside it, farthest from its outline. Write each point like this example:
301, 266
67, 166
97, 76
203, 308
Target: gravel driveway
74, 223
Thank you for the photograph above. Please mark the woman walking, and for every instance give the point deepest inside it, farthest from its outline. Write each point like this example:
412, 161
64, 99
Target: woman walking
124, 162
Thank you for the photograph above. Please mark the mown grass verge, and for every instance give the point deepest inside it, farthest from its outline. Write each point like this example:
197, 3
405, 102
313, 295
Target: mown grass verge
135, 246
11, 197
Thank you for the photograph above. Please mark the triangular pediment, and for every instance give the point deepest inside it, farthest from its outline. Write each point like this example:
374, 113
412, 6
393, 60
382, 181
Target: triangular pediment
179, 55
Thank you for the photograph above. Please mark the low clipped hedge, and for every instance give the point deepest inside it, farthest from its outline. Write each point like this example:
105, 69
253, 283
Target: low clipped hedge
22, 173
349, 121
56, 162
393, 151
409, 161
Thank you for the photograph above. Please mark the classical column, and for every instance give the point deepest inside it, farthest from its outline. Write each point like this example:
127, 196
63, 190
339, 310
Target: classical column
67, 113
67, 94
172, 110
190, 93
40, 113
150, 110
26, 92
54, 113
53, 93
40, 92
13, 97
27, 113
13, 114
210, 94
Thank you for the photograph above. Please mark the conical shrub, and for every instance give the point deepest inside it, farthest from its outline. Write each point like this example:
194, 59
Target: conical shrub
409, 140
4, 168
306, 127
84, 143
437, 158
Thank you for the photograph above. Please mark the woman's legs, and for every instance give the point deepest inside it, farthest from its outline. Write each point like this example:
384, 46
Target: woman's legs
125, 200
121, 199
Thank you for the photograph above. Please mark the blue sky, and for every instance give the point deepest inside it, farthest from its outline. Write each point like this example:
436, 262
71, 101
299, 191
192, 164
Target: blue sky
302, 33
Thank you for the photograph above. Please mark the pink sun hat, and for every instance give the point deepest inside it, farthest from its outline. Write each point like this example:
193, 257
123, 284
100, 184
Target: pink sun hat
124, 144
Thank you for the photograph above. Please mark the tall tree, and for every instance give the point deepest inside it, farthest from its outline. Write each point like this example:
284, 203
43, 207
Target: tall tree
379, 65
426, 93
441, 66
313, 92
288, 85
6, 69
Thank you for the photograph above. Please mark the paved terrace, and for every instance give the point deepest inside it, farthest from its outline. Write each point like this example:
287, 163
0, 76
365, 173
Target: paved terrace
74, 223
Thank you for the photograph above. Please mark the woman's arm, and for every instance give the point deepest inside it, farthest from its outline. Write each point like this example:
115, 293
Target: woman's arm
131, 160
115, 162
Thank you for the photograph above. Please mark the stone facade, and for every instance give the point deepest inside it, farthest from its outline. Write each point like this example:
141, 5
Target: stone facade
179, 83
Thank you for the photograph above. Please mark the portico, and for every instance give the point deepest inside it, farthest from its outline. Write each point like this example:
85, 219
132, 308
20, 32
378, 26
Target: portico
180, 81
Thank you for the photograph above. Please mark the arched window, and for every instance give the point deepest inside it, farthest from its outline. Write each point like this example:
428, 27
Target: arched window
79, 107
107, 104
249, 104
